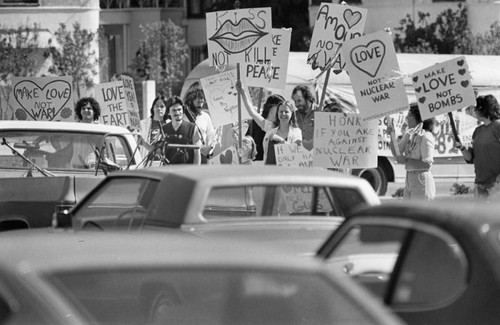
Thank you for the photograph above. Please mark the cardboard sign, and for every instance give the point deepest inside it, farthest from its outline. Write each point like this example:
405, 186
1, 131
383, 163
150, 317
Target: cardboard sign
334, 25
292, 155
227, 157
344, 141
111, 98
443, 88
222, 98
242, 36
272, 72
42, 99
373, 67
131, 101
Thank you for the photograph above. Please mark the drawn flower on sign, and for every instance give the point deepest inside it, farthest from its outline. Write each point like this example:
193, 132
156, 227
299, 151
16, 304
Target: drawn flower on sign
66, 112
239, 37
21, 114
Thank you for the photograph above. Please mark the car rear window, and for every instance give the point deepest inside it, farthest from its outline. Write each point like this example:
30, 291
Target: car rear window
208, 296
279, 200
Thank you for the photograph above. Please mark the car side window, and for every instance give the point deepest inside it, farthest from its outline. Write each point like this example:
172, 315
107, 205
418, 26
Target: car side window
368, 254
118, 201
408, 268
433, 272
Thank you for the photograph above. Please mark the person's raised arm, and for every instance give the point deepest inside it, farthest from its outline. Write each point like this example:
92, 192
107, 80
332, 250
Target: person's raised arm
249, 106
466, 153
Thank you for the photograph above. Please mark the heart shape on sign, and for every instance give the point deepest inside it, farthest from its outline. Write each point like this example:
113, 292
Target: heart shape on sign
371, 59
464, 83
422, 99
286, 188
460, 62
462, 71
226, 158
56, 94
352, 17
415, 79
418, 89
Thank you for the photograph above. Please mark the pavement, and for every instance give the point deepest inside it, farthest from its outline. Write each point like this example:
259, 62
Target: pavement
443, 190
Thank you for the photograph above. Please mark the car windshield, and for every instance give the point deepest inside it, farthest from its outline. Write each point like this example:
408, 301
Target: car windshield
208, 296
59, 150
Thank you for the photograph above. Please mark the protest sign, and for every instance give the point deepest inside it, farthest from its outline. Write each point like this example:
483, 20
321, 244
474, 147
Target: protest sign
443, 88
271, 73
111, 98
239, 36
374, 71
222, 98
228, 157
334, 25
344, 141
131, 101
42, 99
292, 155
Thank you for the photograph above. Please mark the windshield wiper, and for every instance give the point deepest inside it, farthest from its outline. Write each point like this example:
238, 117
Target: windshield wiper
45, 172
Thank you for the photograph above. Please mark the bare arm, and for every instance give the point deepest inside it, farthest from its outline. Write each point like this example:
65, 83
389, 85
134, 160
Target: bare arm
250, 108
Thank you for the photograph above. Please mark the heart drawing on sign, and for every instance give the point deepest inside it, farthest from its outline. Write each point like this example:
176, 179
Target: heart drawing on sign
42, 103
460, 62
422, 100
464, 83
368, 58
226, 158
462, 71
418, 89
286, 188
415, 79
352, 17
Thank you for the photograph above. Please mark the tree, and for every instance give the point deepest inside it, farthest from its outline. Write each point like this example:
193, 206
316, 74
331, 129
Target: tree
74, 55
161, 56
449, 34
18, 49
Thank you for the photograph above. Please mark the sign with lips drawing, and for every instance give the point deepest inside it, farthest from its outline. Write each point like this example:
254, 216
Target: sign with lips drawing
239, 36
42, 99
374, 71
334, 25
443, 88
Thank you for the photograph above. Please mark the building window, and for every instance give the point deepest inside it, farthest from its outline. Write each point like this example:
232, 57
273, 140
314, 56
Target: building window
6, 3
448, 0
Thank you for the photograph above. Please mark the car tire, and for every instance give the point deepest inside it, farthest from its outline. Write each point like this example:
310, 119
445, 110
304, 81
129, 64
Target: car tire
376, 177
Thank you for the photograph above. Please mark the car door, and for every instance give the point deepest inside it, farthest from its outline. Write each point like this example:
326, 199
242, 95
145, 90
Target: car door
417, 269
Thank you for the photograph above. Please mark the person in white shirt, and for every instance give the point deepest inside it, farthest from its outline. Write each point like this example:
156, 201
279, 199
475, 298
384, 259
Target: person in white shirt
194, 101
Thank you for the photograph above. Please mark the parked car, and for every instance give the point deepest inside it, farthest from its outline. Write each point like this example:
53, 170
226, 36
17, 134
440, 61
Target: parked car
65, 277
46, 167
300, 206
431, 263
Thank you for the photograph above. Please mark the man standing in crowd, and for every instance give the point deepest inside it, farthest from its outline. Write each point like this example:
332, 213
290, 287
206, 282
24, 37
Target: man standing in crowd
306, 106
194, 101
179, 131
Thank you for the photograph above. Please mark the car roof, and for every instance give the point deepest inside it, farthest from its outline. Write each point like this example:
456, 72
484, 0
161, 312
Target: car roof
454, 215
58, 249
244, 174
60, 126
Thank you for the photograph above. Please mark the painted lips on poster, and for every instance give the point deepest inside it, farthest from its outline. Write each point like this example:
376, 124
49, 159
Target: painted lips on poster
373, 67
334, 25
234, 35
443, 88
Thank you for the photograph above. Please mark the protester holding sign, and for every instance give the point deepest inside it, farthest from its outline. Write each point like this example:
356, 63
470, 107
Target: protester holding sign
417, 153
306, 106
286, 132
195, 100
87, 110
261, 123
485, 150
151, 126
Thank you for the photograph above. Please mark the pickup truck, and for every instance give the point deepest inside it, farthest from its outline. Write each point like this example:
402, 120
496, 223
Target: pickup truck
46, 167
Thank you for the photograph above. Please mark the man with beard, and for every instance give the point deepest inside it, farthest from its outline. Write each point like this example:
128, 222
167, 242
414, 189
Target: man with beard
306, 106
194, 101
180, 131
